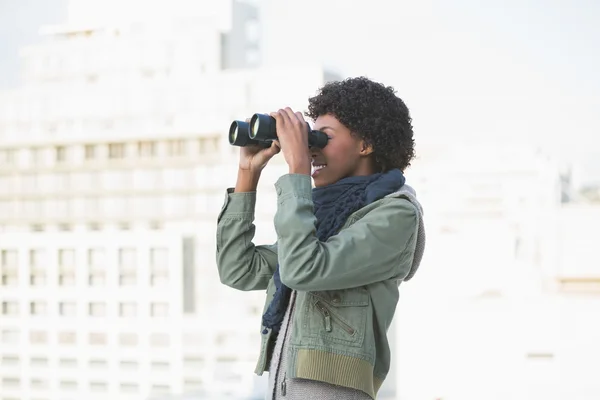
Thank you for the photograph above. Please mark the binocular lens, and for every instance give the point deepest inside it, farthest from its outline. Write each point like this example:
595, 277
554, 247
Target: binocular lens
233, 135
255, 127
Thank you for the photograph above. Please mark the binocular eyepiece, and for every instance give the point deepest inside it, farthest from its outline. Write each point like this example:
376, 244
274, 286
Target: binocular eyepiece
261, 131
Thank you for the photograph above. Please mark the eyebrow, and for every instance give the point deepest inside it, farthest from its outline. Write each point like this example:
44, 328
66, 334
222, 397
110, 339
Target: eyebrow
326, 127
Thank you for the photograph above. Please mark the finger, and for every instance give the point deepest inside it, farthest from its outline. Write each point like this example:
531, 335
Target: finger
286, 114
275, 148
293, 116
284, 118
300, 117
269, 152
278, 118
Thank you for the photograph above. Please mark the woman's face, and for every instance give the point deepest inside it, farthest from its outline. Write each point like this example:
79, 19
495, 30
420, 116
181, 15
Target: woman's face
345, 154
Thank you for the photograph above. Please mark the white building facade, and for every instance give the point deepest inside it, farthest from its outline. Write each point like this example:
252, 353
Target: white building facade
114, 161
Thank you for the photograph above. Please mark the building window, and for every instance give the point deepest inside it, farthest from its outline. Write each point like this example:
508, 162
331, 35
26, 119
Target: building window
66, 264
97, 267
98, 387
252, 30
61, 154
37, 228
146, 149
252, 57
193, 363
8, 157
66, 258
159, 309
39, 383
116, 150
159, 366
10, 360
9, 267
10, 336
67, 337
68, 363
94, 226
208, 145
155, 225
176, 148
193, 340
38, 308
10, 382
38, 362
38, 157
192, 384
97, 279
129, 388
97, 310
127, 310
96, 258
10, 308
129, 365
97, 339
159, 267
37, 267
68, 309
90, 152
38, 337
128, 339
160, 389
159, 340
68, 385
65, 227
98, 364
127, 267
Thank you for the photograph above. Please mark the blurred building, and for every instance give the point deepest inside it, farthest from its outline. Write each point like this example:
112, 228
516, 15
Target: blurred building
505, 304
113, 166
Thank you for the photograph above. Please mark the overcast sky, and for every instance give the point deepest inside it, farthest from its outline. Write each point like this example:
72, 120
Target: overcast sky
516, 69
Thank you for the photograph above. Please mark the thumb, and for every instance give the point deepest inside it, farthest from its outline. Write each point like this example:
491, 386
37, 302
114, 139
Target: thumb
274, 149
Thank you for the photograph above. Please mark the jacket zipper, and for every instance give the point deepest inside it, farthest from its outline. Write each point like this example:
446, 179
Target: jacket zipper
283, 385
327, 314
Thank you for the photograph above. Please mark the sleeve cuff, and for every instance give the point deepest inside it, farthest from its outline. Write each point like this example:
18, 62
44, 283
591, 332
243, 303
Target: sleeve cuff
296, 185
238, 203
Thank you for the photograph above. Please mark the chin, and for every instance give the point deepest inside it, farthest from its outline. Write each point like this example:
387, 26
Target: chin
320, 181
323, 180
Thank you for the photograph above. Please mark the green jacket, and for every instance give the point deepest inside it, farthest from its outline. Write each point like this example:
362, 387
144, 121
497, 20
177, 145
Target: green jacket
347, 287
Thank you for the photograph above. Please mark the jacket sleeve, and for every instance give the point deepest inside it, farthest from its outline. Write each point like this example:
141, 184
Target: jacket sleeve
241, 264
377, 247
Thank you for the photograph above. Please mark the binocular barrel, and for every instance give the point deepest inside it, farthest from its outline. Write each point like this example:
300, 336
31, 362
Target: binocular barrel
239, 135
262, 131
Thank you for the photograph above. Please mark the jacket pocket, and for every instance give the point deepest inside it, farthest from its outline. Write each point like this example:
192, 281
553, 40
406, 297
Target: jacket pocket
338, 316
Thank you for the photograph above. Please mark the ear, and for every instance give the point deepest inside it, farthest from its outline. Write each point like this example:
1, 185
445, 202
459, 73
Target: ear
366, 148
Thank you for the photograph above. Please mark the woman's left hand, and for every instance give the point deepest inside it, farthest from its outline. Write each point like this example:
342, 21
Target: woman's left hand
292, 133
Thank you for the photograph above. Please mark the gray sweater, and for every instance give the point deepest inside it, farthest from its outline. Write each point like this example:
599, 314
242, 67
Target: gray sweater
281, 387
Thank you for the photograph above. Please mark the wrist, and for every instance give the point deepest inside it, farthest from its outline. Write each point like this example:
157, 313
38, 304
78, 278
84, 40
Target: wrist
300, 168
247, 180
300, 163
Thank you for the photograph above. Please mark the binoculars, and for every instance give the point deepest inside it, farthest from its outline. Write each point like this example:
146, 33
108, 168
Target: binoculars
261, 132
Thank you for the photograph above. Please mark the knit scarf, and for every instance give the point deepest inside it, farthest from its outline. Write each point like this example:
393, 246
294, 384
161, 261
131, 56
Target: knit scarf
333, 204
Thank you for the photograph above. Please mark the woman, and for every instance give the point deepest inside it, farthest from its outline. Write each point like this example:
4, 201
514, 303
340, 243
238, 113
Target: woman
343, 247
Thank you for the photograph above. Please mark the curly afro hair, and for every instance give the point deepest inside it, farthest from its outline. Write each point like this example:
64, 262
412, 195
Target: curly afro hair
372, 112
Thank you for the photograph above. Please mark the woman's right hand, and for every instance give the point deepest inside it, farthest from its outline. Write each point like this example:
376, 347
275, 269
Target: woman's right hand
252, 161
255, 158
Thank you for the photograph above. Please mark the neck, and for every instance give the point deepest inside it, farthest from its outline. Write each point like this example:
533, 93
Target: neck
365, 167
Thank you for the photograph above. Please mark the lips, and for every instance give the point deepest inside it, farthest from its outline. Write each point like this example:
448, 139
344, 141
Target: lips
317, 168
